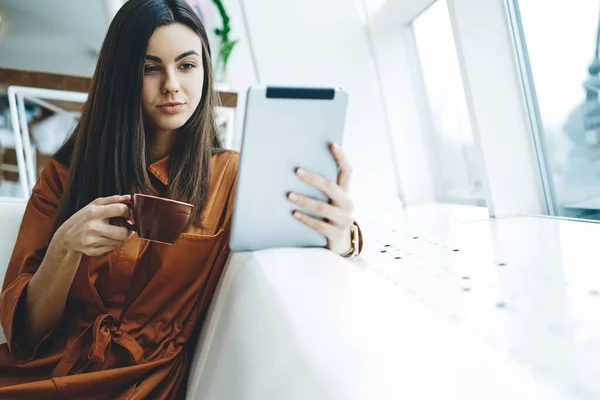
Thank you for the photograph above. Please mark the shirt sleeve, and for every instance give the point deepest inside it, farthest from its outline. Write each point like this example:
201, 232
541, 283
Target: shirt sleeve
27, 255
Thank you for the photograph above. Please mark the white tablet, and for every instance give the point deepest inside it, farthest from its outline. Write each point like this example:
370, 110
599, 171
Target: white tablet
284, 128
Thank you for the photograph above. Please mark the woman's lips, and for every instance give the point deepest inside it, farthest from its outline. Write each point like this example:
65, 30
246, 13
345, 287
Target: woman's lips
170, 108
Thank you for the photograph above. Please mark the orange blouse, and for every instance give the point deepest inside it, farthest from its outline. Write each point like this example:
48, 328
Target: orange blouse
159, 293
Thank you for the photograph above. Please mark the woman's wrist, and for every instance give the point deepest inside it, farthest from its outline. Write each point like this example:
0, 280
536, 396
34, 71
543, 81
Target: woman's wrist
60, 246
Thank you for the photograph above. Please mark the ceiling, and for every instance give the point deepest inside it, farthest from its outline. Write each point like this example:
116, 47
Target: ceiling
395, 13
41, 33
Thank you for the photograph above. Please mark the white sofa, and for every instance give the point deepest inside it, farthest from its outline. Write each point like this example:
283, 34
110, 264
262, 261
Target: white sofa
11, 213
306, 324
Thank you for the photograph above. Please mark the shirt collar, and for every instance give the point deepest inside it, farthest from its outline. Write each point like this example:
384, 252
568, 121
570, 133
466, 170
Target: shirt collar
160, 169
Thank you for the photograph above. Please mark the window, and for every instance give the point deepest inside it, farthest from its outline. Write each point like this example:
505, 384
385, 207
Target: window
452, 150
560, 60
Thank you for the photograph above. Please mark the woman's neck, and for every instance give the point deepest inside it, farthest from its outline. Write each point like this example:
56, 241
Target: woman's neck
161, 145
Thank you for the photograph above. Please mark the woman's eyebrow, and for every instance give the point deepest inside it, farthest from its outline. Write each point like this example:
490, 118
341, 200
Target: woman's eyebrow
187, 53
153, 58
179, 57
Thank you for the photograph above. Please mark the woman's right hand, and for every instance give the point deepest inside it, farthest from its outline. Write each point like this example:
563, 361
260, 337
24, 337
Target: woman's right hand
89, 232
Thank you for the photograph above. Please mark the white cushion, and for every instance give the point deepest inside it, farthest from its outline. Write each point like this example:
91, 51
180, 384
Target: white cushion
11, 214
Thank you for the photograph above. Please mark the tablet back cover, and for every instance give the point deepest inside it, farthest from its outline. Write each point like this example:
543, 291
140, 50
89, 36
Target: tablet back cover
284, 128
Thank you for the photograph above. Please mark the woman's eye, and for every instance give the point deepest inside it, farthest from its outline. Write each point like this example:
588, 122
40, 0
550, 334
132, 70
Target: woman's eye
187, 66
150, 68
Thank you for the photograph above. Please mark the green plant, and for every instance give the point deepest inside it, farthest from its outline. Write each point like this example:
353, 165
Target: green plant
226, 45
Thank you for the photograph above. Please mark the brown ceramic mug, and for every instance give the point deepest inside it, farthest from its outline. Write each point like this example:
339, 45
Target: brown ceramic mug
156, 218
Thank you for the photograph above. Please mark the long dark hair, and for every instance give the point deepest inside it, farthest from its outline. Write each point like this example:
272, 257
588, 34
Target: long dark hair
108, 152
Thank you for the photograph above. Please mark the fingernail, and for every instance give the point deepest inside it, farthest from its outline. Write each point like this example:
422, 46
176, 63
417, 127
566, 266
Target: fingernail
293, 196
296, 215
301, 172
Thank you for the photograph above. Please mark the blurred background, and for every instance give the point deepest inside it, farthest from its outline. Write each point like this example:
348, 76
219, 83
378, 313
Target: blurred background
409, 128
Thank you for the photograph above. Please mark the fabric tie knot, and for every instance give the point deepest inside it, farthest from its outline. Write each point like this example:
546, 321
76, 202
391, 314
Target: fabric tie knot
92, 356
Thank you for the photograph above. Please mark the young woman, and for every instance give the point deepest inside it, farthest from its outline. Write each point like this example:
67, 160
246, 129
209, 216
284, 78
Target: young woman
89, 310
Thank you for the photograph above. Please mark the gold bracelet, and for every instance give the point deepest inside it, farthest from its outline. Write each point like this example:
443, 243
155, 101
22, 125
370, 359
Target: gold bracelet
353, 243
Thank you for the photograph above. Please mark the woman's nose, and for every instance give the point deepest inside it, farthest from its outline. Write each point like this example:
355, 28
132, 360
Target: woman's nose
170, 85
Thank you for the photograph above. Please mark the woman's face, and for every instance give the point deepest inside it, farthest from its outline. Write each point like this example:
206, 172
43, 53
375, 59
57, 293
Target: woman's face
173, 77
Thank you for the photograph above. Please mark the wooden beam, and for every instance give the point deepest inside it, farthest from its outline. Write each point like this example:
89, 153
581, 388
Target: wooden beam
17, 77
9, 77
228, 99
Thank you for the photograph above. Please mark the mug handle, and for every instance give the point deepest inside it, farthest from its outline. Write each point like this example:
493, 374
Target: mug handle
127, 224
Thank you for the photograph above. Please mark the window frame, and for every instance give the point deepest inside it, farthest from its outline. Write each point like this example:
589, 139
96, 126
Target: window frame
510, 150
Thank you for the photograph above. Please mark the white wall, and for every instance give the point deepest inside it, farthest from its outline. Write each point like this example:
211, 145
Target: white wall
59, 36
70, 59
320, 43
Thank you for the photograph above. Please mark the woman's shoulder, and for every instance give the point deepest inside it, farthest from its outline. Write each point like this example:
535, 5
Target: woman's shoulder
52, 180
225, 163
222, 154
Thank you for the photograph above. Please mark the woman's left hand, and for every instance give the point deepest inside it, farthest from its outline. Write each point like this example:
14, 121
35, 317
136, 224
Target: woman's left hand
338, 212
